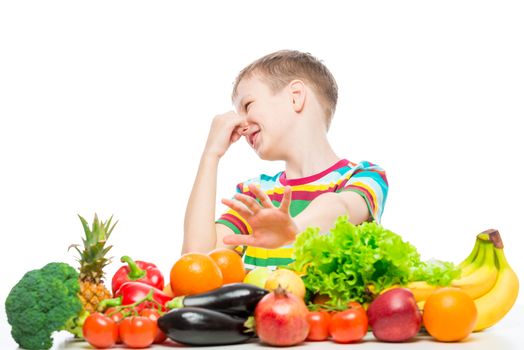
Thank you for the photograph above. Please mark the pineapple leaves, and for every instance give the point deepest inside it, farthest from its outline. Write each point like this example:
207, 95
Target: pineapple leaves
85, 224
92, 256
108, 225
77, 249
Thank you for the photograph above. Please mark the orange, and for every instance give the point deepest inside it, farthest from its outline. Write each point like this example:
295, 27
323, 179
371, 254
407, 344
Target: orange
449, 314
194, 273
230, 263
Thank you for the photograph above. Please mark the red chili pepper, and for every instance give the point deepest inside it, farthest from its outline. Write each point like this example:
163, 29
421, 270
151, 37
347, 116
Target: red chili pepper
132, 292
139, 271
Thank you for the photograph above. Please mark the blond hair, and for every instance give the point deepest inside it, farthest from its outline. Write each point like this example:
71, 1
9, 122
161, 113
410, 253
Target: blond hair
281, 67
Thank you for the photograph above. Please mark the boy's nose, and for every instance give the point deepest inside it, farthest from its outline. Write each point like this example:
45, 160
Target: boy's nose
245, 126
249, 129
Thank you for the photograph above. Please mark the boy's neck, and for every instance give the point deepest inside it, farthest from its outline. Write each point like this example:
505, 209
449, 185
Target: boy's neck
310, 158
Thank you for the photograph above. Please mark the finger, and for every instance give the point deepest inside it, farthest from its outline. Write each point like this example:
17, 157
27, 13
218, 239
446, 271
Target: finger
239, 131
239, 240
249, 202
243, 128
240, 122
234, 121
238, 207
261, 195
235, 137
286, 199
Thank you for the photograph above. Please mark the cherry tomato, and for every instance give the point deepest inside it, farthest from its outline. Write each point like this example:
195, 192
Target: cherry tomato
116, 316
349, 326
154, 315
137, 331
318, 325
100, 331
354, 305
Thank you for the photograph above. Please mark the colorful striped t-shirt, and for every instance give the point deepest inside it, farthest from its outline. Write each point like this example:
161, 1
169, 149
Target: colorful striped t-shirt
365, 178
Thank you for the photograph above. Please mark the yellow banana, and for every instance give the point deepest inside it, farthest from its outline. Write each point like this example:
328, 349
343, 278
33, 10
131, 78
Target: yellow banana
421, 290
479, 272
494, 305
467, 265
484, 274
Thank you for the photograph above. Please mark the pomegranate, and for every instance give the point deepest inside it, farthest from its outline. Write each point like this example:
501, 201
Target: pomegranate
281, 319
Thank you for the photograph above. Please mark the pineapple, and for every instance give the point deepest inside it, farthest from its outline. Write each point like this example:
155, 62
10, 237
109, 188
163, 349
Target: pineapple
92, 261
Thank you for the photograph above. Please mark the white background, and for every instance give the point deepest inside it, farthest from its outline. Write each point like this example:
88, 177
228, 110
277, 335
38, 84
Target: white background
105, 107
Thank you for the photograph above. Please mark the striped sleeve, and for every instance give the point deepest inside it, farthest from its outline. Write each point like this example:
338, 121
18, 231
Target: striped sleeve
233, 220
369, 181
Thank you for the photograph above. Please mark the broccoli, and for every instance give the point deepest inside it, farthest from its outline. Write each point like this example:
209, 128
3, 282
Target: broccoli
44, 301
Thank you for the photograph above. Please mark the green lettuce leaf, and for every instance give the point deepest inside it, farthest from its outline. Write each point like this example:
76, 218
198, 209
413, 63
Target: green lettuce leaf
354, 263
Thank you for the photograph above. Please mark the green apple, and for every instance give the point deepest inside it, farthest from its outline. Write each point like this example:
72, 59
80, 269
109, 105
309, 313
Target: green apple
258, 276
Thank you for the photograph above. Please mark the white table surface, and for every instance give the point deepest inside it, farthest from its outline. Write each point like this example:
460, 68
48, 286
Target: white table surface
507, 334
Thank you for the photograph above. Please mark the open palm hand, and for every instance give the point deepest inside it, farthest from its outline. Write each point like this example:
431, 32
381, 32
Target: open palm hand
272, 227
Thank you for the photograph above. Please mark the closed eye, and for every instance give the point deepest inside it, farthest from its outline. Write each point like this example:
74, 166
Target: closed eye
247, 105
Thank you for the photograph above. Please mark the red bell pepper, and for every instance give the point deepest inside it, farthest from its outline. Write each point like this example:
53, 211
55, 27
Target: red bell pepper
132, 292
139, 271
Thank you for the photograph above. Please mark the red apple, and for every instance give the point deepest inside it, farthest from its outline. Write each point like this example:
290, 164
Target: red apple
394, 316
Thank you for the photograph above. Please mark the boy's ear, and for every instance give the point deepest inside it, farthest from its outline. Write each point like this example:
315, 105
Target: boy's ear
298, 94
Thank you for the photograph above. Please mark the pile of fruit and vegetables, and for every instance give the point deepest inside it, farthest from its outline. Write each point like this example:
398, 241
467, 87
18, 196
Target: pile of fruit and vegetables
340, 286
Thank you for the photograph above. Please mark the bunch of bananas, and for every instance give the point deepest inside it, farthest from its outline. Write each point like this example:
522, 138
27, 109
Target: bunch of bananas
486, 277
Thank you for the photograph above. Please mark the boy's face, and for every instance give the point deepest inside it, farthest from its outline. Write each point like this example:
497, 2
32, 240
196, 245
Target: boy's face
269, 117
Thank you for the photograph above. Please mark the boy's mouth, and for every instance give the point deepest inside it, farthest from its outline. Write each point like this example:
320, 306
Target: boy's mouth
252, 138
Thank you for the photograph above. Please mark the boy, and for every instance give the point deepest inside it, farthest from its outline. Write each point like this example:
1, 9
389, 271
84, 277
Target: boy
285, 102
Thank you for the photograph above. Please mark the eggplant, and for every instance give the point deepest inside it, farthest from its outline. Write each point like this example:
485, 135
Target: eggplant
239, 299
197, 326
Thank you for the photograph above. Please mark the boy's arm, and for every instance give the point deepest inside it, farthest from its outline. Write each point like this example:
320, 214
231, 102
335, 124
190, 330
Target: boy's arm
200, 230
323, 211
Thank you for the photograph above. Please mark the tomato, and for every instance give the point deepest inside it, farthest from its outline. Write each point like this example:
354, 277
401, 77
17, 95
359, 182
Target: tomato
154, 315
355, 305
100, 331
137, 331
116, 316
349, 326
323, 299
318, 325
